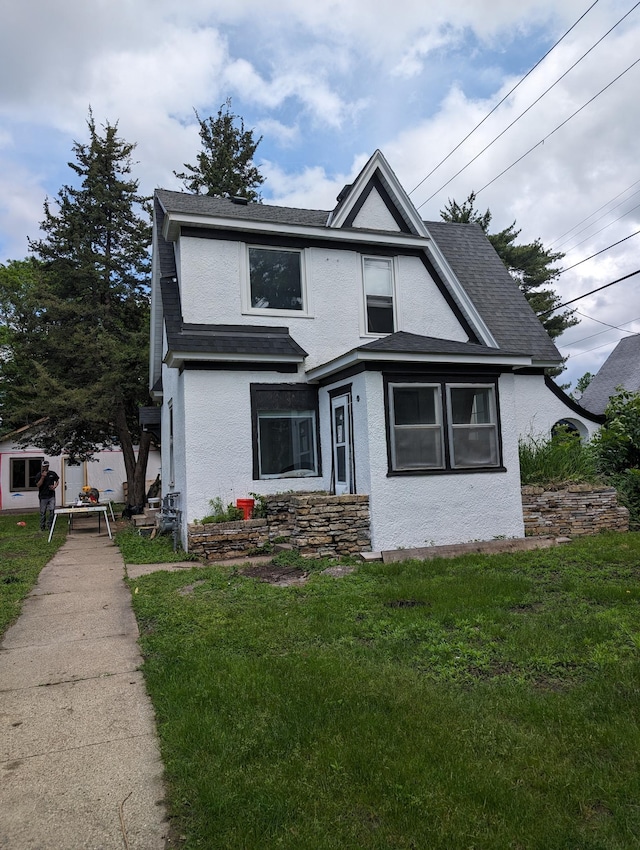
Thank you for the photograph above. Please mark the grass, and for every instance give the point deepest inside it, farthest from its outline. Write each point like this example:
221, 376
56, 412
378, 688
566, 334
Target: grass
142, 550
482, 702
23, 553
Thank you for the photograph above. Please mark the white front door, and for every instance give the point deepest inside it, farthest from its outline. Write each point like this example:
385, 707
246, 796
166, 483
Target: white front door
342, 460
73, 481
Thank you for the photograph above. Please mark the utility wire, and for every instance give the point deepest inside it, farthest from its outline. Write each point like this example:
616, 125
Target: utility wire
592, 336
580, 262
489, 114
566, 121
531, 105
615, 198
584, 295
591, 235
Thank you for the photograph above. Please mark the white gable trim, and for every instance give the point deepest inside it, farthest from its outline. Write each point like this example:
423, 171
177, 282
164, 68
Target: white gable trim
377, 163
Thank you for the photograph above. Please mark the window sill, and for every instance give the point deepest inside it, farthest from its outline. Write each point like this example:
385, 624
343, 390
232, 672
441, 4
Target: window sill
468, 470
285, 314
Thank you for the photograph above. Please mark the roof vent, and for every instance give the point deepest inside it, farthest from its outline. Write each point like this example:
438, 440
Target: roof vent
237, 199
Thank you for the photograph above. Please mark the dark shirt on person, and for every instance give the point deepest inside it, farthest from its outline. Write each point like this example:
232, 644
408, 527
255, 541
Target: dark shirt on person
46, 489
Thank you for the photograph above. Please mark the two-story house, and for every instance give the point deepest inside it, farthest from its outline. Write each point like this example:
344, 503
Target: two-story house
358, 350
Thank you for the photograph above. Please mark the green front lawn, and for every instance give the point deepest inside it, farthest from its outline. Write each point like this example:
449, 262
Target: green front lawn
23, 553
482, 702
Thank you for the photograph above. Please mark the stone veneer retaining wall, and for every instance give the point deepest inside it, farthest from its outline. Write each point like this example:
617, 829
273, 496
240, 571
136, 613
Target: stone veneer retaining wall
574, 510
314, 524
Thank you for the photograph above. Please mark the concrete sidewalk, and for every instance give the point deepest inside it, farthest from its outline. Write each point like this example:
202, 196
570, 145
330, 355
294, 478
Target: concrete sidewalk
79, 759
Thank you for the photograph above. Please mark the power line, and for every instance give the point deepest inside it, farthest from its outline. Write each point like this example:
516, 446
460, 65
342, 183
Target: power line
619, 242
591, 292
489, 114
531, 105
591, 235
591, 336
615, 198
566, 121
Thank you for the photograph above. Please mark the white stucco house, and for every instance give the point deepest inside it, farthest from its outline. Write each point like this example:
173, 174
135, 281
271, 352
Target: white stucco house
356, 350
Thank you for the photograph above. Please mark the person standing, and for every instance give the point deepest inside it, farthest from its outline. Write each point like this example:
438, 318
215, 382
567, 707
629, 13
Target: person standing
46, 484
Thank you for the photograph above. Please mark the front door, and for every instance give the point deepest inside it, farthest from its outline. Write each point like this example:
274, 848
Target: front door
342, 455
73, 481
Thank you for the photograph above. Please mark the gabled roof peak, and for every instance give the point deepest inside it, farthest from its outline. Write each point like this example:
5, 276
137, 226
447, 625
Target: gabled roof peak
377, 178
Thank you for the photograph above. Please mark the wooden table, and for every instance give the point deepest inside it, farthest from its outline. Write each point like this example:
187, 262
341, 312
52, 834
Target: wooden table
100, 510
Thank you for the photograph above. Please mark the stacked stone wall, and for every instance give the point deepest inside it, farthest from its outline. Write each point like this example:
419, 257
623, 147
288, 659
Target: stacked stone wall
572, 511
316, 525
219, 541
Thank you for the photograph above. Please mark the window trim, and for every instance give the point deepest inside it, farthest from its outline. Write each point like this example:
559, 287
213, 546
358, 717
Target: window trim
27, 488
445, 382
487, 425
308, 401
247, 306
394, 294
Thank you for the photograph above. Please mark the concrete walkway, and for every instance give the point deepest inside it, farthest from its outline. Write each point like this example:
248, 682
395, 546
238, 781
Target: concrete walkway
79, 759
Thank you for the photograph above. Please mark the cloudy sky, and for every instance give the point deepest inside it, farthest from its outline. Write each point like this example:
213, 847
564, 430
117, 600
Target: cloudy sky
328, 82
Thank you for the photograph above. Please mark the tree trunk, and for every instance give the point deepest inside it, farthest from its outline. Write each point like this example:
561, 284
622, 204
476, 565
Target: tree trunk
136, 469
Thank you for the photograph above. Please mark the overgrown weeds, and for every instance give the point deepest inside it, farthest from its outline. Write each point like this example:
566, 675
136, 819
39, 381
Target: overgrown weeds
556, 460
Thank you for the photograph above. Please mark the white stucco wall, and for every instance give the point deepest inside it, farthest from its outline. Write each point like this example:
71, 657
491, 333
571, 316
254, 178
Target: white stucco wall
211, 279
538, 409
218, 446
374, 214
424, 510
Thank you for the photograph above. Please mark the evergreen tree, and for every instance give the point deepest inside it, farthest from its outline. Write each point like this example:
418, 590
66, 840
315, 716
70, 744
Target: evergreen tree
225, 163
531, 265
78, 347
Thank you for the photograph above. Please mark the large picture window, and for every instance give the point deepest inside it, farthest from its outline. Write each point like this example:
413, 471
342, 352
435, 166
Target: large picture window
285, 431
378, 294
276, 279
439, 426
24, 473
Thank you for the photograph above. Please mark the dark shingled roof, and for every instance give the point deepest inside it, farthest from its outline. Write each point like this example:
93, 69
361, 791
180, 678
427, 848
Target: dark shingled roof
620, 369
182, 202
222, 339
491, 288
406, 343
465, 247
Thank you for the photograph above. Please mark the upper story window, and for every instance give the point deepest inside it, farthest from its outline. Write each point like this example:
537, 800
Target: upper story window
276, 279
379, 295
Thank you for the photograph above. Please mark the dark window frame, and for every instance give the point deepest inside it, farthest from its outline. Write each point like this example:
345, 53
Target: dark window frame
443, 381
273, 397
15, 487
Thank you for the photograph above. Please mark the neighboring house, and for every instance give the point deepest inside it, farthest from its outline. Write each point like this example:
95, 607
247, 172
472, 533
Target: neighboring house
358, 350
620, 369
20, 469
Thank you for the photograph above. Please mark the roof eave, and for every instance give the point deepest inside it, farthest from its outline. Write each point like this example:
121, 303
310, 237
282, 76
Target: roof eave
176, 359
355, 358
